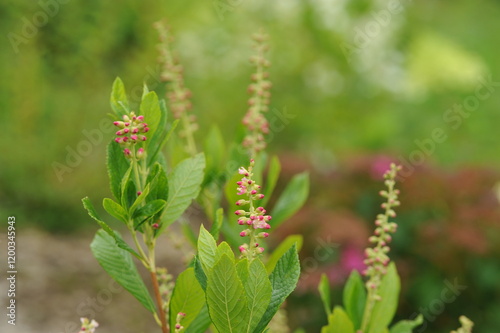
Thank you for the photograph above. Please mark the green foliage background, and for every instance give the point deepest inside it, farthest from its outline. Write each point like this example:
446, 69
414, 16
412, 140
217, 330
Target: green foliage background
55, 84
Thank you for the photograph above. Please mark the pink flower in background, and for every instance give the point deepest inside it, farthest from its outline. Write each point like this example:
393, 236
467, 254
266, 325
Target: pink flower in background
380, 165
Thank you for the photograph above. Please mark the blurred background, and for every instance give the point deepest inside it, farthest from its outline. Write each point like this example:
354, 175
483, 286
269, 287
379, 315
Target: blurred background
356, 84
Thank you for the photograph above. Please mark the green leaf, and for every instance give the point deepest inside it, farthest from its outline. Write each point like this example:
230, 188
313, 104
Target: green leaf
272, 178
226, 298
150, 209
117, 166
407, 326
115, 209
119, 101
119, 241
201, 322
150, 109
199, 273
354, 298
324, 292
219, 218
338, 322
128, 192
119, 265
384, 310
187, 297
292, 198
282, 249
207, 249
215, 150
222, 249
139, 199
258, 291
158, 183
283, 280
184, 186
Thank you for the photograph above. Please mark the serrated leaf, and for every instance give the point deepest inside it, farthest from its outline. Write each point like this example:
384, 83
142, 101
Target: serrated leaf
354, 298
282, 249
272, 178
115, 209
283, 279
222, 249
119, 265
407, 326
226, 298
119, 241
292, 198
338, 322
258, 291
187, 297
157, 178
384, 310
207, 249
184, 186
324, 292
119, 100
117, 166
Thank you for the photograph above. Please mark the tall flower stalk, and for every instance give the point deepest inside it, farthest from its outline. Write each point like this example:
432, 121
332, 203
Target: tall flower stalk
377, 257
254, 120
178, 96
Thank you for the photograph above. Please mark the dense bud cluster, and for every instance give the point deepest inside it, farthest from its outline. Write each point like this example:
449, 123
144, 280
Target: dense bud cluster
131, 131
253, 218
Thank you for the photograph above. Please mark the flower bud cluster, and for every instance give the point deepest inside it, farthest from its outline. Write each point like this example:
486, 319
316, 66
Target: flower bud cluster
166, 283
131, 131
253, 218
178, 319
377, 257
254, 120
88, 326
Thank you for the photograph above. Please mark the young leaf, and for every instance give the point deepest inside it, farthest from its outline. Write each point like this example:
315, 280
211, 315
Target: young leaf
219, 218
292, 198
184, 186
150, 209
119, 265
150, 109
199, 273
324, 292
158, 181
282, 249
407, 326
258, 291
226, 299
354, 298
119, 101
384, 310
222, 249
207, 249
115, 209
283, 280
119, 241
272, 178
338, 322
117, 166
139, 199
187, 297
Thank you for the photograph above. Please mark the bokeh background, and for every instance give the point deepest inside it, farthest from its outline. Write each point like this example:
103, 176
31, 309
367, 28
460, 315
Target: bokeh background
361, 82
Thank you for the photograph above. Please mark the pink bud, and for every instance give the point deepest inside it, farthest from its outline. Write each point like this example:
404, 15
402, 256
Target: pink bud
253, 192
145, 130
243, 234
142, 138
126, 151
239, 212
177, 326
135, 130
133, 137
140, 118
118, 140
139, 192
261, 196
126, 130
155, 225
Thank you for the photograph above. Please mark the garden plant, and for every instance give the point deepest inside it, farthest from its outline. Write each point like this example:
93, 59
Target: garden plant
158, 169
